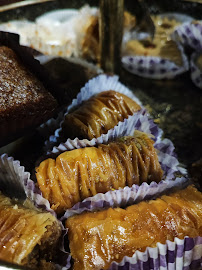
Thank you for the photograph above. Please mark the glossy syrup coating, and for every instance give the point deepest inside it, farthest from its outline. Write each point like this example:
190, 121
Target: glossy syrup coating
98, 114
26, 234
81, 173
97, 239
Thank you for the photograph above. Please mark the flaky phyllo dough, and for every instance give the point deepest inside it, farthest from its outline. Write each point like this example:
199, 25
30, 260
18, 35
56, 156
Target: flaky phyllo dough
81, 173
98, 114
97, 239
27, 237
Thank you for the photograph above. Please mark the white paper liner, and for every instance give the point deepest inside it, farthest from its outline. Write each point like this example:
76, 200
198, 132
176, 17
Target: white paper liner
189, 34
181, 254
196, 72
155, 67
92, 87
166, 156
16, 183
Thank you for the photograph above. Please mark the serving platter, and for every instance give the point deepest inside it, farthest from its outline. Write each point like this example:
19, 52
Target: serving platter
175, 105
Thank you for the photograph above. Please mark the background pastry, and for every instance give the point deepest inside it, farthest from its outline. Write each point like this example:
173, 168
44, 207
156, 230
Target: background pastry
81, 173
25, 103
97, 239
27, 237
98, 114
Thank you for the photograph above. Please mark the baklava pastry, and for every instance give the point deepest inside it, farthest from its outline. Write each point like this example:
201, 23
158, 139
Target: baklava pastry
98, 114
96, 239
81, 173
27, 237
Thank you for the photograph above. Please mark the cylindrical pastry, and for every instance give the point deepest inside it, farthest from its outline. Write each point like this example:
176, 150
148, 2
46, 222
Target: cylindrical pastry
98, 114
27, 237
81, 173
97, 239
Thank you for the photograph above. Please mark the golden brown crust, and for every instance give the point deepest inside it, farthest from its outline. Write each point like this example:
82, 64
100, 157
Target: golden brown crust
97, 239
81, 173
98, 114
26, 236
24, 101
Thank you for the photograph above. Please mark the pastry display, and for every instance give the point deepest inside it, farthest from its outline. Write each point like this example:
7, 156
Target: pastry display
25, 103
98, 114
99, 238
81, 173
27, 237
146, 47
90, 49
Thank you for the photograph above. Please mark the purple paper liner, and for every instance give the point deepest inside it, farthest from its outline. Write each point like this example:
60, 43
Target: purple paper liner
189, 34
138, 121
94, 86
182, 254
165, 151
15, 182
155, 67
126, 196
196, 72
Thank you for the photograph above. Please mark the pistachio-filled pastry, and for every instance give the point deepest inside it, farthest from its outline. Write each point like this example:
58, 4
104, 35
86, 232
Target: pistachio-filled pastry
96, 239
27, 237
81, 173
98, 114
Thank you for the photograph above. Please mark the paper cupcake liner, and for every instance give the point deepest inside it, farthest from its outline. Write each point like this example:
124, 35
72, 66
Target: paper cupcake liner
165, 152
180, 254
155, 67
189, 34
15, 182
196, 73
92, 87
126, 196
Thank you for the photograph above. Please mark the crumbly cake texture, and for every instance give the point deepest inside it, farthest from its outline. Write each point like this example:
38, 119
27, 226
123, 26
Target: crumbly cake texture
97, 239
98, 114
27, 237
24, 100
81, 173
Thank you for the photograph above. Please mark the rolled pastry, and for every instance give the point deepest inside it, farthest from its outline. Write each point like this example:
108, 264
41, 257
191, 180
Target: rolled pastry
27, 237
98, 114
81, 173
96, 239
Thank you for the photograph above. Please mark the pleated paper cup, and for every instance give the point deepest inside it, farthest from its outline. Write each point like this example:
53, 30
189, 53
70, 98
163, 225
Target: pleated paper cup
190, 35
93, 87
196, 71
180, 254
154, 67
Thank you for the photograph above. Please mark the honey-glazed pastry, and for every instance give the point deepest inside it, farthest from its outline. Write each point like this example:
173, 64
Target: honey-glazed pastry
99, 238
81, 173
157, 48
164, 26
25, 103
27, 237
98, 114
167, 50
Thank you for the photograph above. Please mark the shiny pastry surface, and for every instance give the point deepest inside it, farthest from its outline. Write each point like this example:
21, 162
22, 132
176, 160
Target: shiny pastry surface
81, 173
98, 114
97, 239
26, 233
